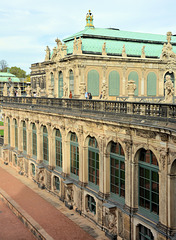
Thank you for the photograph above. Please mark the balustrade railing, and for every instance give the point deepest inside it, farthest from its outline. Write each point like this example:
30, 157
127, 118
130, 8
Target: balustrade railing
111, 107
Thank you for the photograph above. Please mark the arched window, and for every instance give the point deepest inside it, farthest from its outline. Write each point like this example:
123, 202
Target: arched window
117, 168
24, 137
45, 145
148, 181
16, 134
114, 83
60, 85
134, 76
71, 82
144, 233
8, 131
58, 150
93, 83
151, 84
74, 155
93, 162
34, 141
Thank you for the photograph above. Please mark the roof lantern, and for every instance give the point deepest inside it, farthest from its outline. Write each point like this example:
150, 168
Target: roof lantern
89, 20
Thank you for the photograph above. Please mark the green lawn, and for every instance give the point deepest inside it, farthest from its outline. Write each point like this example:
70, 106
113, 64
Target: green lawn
1, 123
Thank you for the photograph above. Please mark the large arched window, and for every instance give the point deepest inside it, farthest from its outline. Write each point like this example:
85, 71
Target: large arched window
93, 162
71, 82
16, 134
45, 145
58, 150
148, 182
60, 85
151, 84
93, 83
134, 76
74, 155
114, 83
24, 137
34, 141
117, 168
8, 120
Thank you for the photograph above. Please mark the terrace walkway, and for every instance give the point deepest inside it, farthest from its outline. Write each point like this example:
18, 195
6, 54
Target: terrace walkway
43, 213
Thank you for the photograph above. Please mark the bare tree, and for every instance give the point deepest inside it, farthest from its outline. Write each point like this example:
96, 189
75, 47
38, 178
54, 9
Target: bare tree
3, 65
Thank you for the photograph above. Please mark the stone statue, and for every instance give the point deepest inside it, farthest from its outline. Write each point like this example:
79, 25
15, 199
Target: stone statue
5, 93
54, 54
65, 90
131, 87
143, 52
104, 49
11, 91
79, 46
19, 92
82, 90
169, 90
75, 46
112, 223
124, 51
167, 52
69, 194
28, 91
47, 56
38, 90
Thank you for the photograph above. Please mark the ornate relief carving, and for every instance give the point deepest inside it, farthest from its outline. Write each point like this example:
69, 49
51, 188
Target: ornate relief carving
163, 155
145, 134
69, 194
163, 137
40, 176
128, 146
173, 139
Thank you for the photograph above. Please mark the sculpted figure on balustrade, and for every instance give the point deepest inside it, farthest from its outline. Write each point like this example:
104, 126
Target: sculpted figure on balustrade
169, 90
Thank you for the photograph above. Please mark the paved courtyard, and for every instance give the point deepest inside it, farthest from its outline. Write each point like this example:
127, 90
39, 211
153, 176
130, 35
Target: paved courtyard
45, 211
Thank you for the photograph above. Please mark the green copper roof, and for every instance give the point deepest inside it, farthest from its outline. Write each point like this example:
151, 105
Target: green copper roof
93, 39
4, 77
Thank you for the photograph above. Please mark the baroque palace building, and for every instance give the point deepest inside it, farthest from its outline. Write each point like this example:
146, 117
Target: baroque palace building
114, 162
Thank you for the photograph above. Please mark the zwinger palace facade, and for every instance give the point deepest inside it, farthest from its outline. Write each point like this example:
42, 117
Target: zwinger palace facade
114, 162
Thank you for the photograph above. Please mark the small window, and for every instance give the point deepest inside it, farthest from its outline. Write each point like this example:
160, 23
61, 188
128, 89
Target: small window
145, 233
57, 183
91, 204
33, 169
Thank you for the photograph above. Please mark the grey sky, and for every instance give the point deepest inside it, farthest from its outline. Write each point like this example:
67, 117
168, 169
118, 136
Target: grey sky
26, 27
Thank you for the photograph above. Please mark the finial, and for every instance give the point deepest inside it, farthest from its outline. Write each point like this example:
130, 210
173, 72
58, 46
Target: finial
89, 20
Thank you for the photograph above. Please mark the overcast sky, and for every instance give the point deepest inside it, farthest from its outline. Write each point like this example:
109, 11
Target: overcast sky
28, 26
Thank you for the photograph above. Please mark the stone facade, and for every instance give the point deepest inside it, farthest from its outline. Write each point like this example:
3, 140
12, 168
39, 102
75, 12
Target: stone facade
119, 217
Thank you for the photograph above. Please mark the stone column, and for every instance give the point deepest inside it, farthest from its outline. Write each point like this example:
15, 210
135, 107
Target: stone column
142, 83
101, 166
12, 132
20, 136
85, 165
124, 81
29, 138
39, 144
5, 131
66, 154
161, 82
80, 138
51, 147
106, 159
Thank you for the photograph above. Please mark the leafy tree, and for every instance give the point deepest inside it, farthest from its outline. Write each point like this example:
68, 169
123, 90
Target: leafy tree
3, 65
18, 72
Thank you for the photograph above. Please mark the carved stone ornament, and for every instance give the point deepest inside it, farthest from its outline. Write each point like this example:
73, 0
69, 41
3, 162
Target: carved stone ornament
104, 49
163, 137
47, 56
104, 90
174, 139
162, 159
145, 134
69, 194
124, 52
143, 52
5, 93
40, 176
131, 87
167, 52
128, 146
